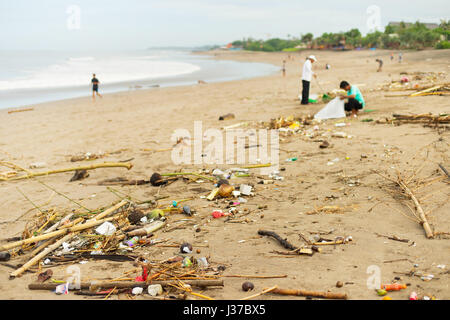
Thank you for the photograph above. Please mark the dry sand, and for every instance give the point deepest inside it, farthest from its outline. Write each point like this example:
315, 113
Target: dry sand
131, 121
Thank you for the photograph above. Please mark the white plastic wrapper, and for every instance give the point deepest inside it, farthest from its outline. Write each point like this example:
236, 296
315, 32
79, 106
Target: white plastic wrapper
106, 229
155, 290
62, 289
137, 291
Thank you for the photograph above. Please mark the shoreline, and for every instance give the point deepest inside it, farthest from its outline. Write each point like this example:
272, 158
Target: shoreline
183, 80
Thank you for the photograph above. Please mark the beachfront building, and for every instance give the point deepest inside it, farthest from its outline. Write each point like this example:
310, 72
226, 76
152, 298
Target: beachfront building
430, 26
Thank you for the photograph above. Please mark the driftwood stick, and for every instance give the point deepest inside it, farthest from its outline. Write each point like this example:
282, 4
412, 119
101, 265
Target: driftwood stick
90, 167
445, 170
422, 216
41, 255
129, 284
283, 242
306, 293
394, 237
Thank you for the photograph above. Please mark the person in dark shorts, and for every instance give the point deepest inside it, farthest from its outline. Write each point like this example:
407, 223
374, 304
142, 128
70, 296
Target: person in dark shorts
355, 99
95, 83
380, 64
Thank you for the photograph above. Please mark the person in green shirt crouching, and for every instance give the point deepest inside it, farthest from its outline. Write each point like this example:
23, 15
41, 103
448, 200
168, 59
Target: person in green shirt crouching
355, 99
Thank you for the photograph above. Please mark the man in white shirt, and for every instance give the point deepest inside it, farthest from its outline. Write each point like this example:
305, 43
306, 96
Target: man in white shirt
306, 78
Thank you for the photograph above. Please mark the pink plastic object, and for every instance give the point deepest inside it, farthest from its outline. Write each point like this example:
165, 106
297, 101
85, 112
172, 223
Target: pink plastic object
218, 214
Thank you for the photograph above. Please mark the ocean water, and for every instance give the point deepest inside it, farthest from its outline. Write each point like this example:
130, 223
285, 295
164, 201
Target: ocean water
28, 78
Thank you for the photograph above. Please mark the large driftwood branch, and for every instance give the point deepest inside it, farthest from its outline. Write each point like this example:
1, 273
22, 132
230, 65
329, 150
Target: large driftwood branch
128, 284
306, 293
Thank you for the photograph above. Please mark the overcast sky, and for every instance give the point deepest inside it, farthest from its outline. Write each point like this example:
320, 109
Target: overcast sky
139, 24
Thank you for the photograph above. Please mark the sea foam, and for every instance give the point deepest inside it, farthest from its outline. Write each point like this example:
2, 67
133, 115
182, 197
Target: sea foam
77, 71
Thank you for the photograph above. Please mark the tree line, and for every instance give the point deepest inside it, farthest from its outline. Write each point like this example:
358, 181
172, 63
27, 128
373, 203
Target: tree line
403, 36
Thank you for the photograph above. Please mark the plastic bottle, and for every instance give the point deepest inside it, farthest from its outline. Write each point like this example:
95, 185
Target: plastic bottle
133, 241
393, 287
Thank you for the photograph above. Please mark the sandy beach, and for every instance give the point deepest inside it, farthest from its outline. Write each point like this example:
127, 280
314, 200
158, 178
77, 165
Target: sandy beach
136, 124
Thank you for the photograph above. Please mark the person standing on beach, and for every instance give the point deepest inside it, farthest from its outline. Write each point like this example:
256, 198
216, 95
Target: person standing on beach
306, 78
400, 57
354, 96
380, 64
284, 68
95, 83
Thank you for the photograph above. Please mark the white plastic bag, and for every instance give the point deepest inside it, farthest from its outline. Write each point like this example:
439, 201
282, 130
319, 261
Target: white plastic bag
334, 109
106, 229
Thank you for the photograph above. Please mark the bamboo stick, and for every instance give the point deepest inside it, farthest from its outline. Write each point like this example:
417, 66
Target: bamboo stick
21, 110
42, 246
90, 167
439, 93
47, 222
306, 293
425, 91
257, 166
41, 255
396, 95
